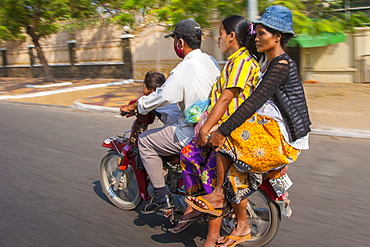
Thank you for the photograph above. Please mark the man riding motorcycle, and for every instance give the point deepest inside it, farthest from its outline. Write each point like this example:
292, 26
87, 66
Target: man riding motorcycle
190, 80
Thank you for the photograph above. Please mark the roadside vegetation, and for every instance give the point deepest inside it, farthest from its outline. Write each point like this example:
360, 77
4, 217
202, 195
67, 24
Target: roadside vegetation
39, 19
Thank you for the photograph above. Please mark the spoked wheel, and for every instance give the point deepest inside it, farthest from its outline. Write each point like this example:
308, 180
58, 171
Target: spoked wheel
264, 219
119, 186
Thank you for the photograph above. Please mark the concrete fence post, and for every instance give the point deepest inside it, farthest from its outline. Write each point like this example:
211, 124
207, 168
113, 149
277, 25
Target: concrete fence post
3, 56
4, 71
126, 48
72, 51
126, 54
30, 53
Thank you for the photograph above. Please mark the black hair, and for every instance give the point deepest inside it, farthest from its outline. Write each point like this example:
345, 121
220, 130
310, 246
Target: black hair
285, 37
192, 42
240, 26
154, 79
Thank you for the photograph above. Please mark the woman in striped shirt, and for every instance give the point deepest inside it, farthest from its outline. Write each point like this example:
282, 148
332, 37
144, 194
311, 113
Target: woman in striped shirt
238, 80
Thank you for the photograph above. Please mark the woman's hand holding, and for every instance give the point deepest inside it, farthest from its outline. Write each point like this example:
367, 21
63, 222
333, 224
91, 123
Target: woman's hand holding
202, 138
216, 140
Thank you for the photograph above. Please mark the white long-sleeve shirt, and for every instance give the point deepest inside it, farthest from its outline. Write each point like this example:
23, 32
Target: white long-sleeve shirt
190, 80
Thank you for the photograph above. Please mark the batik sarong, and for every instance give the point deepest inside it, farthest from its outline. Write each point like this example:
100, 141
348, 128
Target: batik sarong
198, 166
256, 147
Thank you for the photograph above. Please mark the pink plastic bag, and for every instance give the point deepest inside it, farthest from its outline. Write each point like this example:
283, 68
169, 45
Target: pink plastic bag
203, 118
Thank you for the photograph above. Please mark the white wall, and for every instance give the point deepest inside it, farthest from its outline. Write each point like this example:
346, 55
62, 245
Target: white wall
337, 63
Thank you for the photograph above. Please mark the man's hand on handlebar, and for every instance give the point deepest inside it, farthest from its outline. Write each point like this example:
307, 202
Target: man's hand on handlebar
128, 110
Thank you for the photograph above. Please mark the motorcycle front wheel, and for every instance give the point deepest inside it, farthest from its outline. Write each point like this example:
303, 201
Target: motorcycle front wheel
119, 186
264, 219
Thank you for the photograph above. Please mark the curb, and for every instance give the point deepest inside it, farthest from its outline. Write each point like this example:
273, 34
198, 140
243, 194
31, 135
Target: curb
65, 90
94, 108
324, 131
342, 132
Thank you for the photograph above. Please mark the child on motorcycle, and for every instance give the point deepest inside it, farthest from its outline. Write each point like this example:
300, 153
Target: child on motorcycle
167, 114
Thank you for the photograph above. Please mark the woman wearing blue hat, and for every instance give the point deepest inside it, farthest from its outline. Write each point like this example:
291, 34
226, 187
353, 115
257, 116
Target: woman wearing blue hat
278, 105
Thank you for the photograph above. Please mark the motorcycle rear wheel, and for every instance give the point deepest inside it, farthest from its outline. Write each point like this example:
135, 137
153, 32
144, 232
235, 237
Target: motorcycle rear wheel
119, 186
264, 219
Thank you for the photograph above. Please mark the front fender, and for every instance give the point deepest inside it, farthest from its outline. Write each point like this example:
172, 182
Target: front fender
116, 143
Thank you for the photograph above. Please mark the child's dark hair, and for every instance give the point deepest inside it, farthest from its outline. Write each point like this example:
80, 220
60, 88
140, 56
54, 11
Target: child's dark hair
154, 79
239, 25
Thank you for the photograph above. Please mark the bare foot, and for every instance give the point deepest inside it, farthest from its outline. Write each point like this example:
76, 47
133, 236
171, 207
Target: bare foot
210, 242
213, 234
216, 199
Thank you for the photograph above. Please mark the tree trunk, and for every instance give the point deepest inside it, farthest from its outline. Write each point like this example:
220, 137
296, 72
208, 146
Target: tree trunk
46, 69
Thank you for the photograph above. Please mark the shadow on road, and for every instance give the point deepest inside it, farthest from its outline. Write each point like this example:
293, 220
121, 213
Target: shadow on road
186, 238
98, 191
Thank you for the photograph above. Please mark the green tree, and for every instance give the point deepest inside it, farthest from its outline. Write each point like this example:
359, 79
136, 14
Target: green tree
125, 12
310, 16
313, 17
81, 9
201, 11
38, 19
4, 33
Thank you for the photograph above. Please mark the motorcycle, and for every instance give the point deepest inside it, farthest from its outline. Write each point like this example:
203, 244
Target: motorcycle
126, 184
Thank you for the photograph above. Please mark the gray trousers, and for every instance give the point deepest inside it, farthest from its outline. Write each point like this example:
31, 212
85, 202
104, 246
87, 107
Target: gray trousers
155, 142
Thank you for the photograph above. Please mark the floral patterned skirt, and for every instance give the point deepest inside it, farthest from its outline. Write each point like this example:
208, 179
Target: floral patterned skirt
256, 147
198, 166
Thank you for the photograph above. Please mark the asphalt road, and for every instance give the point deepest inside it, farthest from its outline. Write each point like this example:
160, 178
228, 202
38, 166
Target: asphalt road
50, 194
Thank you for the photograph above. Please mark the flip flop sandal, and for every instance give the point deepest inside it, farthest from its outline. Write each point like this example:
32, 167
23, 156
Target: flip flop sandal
236, 239
211, 210
225, 211
188, 223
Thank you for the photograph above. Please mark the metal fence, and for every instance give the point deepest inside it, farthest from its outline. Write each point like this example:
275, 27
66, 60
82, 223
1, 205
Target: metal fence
73, 25
56, 54
102, 52
93, 40
18, 57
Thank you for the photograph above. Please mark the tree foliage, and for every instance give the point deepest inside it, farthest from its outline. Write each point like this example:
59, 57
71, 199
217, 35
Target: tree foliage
126, 12
38, 19
314, 16
227, 8
41, 15
310, 16
81, 9
177, 10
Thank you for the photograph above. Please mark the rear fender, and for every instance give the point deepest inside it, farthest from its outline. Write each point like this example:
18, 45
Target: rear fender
267, 187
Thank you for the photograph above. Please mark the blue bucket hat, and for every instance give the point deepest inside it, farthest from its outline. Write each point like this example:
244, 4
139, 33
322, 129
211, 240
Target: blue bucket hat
278, 18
